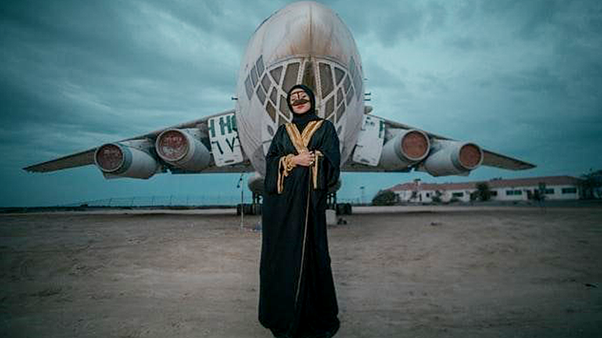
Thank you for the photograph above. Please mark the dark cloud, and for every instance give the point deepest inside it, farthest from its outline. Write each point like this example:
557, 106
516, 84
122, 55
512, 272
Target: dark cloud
540, 80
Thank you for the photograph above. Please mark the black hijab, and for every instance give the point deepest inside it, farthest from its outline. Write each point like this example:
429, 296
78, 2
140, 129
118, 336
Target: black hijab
301, 120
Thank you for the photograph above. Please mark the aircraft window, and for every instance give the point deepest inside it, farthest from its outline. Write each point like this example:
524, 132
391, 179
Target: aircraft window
254, 76
260, 67
350, 95
276, 72
338, 74
329, 106
248, 87
290, 77
326, 79
352, 67
265, 82
339, 96
274, 96
261, 94
284, 107
271, 111
347, 84
340, 112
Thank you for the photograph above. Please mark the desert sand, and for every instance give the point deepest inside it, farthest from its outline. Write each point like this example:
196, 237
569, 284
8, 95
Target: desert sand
406, 272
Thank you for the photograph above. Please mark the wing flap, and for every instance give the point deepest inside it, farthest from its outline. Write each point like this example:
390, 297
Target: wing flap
492, 159
80, 159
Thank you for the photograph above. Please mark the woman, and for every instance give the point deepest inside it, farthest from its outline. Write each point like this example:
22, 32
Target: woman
297, 295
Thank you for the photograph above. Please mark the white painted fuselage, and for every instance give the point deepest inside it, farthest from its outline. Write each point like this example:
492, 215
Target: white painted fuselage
304, 42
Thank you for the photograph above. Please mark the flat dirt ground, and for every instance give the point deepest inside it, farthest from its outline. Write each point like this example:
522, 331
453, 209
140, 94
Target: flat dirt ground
405, 272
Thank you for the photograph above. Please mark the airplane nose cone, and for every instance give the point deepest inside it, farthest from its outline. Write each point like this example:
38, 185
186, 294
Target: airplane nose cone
310, 28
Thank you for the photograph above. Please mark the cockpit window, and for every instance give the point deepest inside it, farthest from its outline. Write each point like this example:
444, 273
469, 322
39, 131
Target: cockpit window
249, 87
357, 83
347, 84
352, 67
334, 85
329, 106
290, 77
340, 112
260, 66
284, 107
265, 82
339, 96
271, 111
350, 95
260, 94
274, 96
338, 74
326, 79
276, 72
309, 79
254, 76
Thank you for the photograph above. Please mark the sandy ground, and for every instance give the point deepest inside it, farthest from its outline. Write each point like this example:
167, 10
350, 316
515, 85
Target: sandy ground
426, 272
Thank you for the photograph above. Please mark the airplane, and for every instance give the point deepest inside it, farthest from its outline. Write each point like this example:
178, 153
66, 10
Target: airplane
303, 42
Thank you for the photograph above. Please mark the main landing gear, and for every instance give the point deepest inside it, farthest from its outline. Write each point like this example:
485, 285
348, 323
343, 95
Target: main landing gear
331, 203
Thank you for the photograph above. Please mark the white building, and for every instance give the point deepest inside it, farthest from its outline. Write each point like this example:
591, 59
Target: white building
519, 189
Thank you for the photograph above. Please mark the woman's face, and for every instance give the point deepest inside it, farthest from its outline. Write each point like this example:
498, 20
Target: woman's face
300, 101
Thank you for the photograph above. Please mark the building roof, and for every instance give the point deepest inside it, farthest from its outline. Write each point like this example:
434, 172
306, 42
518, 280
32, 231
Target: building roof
493, 184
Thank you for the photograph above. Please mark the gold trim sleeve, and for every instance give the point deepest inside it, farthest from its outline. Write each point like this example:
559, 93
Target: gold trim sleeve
314, 168
285, 166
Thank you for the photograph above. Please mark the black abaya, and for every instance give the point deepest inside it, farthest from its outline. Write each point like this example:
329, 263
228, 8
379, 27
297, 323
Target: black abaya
297, 295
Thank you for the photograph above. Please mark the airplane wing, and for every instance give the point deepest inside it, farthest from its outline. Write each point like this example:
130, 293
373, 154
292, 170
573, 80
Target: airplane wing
204, 135
391, 128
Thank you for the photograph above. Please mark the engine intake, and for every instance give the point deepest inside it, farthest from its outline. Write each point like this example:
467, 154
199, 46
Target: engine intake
453, 158
180, 148
115, 159
405, 149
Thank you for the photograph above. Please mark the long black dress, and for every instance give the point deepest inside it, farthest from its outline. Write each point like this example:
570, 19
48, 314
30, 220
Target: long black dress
297, 295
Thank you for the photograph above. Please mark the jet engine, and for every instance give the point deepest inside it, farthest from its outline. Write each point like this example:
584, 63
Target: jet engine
121, 160
406, 148
183, 149
453, 158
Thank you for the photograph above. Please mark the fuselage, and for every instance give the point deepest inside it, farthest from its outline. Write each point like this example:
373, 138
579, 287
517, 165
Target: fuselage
304, 42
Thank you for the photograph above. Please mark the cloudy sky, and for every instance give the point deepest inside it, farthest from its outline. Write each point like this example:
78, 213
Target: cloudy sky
522, 78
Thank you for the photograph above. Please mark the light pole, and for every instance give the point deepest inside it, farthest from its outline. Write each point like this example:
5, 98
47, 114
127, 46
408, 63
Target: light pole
362, 195
242, 192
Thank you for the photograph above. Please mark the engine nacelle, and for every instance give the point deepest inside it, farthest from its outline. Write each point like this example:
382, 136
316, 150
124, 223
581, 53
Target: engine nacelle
182, 149
453, 158
120, 160
405, 149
